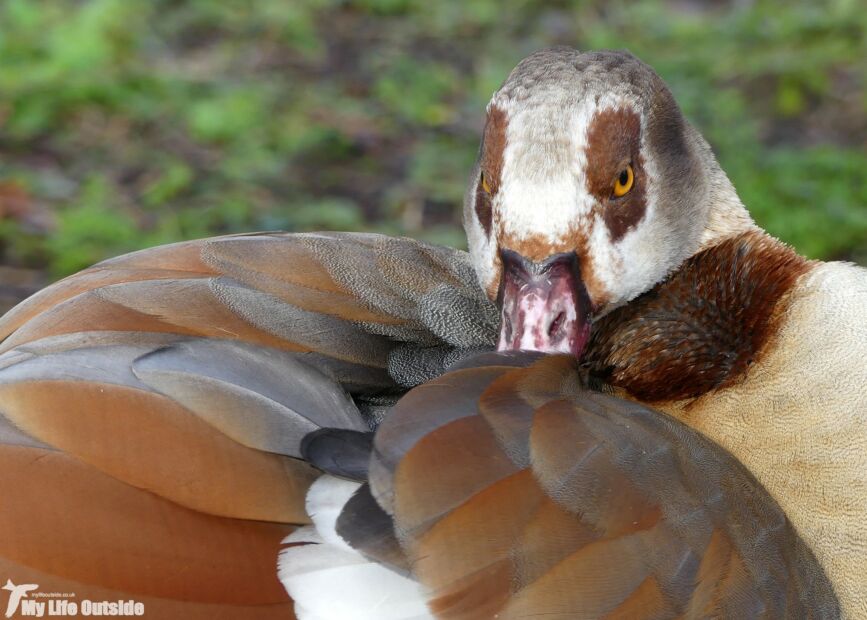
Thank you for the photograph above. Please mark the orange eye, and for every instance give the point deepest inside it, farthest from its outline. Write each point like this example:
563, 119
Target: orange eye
485, 185
624, 182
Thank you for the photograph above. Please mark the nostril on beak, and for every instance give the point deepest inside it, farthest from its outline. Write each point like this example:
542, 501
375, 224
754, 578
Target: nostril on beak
556, 325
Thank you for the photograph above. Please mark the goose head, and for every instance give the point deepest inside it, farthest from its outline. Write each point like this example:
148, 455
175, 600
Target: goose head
589, 189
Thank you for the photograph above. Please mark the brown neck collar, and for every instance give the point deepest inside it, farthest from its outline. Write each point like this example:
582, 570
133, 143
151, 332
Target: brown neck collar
704, 326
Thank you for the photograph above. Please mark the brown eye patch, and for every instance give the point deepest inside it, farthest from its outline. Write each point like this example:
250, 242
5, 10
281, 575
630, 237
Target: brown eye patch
613, 143
493, 145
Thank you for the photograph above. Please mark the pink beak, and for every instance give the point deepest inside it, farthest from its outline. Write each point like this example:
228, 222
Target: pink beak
544, 306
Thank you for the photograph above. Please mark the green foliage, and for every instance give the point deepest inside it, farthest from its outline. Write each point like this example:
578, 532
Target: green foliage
90, 228
136, 123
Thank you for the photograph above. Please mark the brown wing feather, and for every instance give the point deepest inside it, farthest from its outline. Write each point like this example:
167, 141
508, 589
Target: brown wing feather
481, 534
536, 498
155, 607
152, 443
158, 548
179, 260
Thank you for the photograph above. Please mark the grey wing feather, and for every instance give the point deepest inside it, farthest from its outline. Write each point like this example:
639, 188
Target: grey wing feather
262, 398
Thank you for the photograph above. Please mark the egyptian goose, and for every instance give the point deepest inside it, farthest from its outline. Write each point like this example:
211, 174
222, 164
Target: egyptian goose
156, 406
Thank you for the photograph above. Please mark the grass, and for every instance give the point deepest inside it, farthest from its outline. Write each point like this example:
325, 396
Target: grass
128, 124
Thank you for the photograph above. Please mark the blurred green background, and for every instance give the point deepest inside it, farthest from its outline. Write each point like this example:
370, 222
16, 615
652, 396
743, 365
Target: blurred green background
127, 123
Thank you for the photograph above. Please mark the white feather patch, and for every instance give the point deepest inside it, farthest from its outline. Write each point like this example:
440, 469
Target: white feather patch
325, 499
328, 580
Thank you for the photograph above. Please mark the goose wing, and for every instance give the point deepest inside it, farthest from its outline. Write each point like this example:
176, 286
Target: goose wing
153, 406
513, 493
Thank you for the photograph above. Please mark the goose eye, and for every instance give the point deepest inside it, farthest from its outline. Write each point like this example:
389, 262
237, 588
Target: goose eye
485, 185
624, 182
